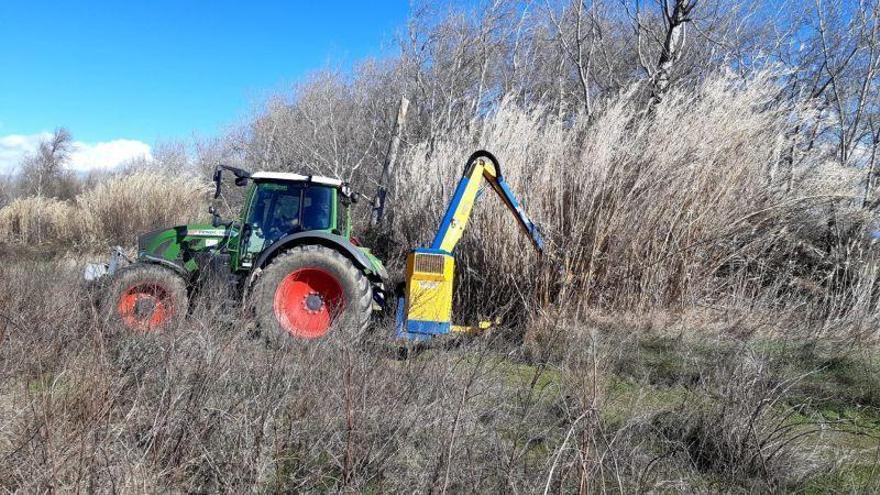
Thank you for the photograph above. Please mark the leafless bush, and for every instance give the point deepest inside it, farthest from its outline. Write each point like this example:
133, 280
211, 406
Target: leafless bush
209, 406
740, 426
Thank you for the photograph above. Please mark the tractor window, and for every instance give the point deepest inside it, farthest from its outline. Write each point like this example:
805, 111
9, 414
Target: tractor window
317, 208
274, 214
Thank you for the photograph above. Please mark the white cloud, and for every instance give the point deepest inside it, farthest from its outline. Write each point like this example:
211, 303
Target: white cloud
107, 154
85, 156
14, 146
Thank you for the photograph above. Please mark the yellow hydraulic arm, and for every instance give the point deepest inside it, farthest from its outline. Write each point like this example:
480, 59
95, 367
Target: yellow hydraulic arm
481, 165
427, 306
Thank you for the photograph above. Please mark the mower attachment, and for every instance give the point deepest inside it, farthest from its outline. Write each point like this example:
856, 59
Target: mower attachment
96, 271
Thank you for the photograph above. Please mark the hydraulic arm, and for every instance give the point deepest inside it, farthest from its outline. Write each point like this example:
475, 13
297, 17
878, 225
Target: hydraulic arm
426, 310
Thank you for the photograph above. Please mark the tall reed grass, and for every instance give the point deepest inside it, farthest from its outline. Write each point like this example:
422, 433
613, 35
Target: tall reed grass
687, 205
36, 220
115, 211
119, 209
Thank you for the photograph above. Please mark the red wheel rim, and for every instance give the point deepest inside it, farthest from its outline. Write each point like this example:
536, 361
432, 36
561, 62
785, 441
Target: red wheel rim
307, 301
145, 307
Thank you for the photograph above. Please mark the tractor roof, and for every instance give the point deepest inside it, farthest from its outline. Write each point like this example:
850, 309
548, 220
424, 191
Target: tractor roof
317, 179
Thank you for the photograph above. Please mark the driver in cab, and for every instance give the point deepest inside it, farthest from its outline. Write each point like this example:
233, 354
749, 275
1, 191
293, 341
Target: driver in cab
285, 219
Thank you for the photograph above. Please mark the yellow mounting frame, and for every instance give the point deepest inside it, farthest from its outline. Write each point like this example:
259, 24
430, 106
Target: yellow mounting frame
427, 310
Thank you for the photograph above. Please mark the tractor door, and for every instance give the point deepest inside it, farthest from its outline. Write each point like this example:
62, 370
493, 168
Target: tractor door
273, 212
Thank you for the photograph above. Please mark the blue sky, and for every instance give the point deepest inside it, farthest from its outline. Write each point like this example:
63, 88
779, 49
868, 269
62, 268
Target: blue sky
144, 71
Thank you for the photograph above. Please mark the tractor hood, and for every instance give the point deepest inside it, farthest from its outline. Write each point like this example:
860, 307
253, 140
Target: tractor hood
177, 245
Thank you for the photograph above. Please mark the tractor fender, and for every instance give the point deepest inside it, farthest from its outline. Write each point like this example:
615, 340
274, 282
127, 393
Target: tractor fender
145, 258
333, 241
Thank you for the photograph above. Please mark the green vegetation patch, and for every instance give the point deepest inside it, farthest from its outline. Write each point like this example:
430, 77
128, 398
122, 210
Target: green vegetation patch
847, 479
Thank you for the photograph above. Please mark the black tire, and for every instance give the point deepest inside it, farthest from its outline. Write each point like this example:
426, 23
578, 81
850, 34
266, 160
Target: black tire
145, 297
350, 317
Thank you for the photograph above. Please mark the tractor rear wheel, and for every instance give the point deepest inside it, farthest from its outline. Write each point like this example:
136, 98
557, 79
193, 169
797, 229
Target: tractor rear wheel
308, 290
146, 298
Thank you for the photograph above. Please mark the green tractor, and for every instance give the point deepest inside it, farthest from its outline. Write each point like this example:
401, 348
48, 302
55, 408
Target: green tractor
292, 258
290, 254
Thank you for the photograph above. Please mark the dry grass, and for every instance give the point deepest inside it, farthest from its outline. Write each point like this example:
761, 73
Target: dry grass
36, 220
115, 211
208, 407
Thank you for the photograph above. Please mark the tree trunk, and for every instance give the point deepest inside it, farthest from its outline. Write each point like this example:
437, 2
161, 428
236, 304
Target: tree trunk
672, 45
387, 177
869, 183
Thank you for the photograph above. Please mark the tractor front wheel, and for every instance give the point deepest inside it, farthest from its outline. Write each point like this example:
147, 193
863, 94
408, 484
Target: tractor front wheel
146, 298
308, 290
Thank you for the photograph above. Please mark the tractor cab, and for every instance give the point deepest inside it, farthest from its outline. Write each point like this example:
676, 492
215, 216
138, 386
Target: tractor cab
280, 208
279, 205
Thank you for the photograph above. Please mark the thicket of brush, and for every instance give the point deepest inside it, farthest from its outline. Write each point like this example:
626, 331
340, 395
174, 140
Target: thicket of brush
718, 398
739, 173
635, 218
622, 405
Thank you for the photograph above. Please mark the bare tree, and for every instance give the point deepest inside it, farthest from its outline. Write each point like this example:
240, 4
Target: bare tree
849, 43
676, 15
7, 186
580, 44
43, 173
872, 161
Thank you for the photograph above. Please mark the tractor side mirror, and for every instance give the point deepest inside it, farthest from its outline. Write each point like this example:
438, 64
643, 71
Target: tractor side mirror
218, 175
245, 234
241, 177
215, 217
